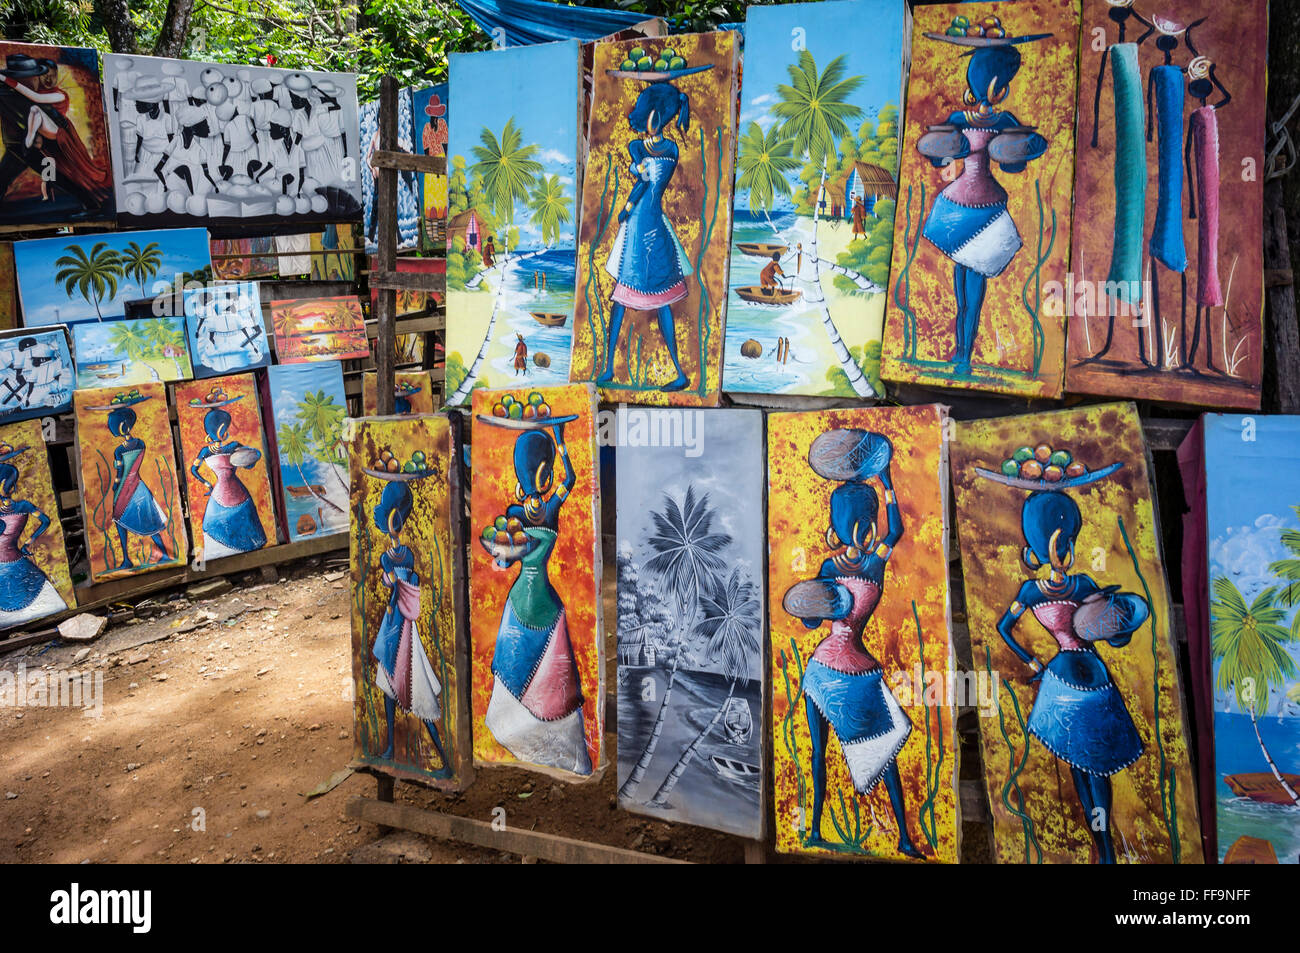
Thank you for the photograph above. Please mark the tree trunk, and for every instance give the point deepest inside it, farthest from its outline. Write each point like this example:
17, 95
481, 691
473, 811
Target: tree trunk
175, 29
661, 796
1291, 792
118, 25
648, 752
814, 295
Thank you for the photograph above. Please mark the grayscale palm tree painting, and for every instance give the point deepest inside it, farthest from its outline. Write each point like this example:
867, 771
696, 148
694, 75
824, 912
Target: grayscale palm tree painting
689, 506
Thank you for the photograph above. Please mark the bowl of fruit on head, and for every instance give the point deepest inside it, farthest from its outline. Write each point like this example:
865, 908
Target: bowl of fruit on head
505, 540
1044, 467
668, 63
392, 467
531, 413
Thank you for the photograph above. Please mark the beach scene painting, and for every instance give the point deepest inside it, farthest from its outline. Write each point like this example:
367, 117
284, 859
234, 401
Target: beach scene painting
511, 218
319, 329
1253, 533
130, 495
307, 408
816, 188
73, 278
34, 576
409, 657
225, 328
131, 351
37, 376
690, 618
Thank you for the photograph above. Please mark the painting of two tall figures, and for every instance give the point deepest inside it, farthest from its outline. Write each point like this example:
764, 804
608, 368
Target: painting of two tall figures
863, 724
1168, 246
651, 294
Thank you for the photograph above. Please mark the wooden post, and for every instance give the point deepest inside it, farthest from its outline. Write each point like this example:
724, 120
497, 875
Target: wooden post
386, 234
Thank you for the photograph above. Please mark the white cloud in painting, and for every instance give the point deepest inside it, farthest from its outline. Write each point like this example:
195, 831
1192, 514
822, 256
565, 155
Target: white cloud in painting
1244, 553
555, 157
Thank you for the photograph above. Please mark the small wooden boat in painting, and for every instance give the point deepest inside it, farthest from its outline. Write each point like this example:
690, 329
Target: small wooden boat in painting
760, 295
1262, 786
302, 492
761, 249
550, 319
741, 772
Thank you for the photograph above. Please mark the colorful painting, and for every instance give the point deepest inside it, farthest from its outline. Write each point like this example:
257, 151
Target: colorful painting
510, 234
1086, 760
72, 278
1253, 519
413, 302
131, 351
234, 259
229, 145
409, 654
37, 377
690, 617
319, 329
305, 431
815, 195
225, 328
986, 183
431, 113
130, 497
332, 254
656, 213
34, 577
535, 631
54, 162
861, 645
408, 204
1168, 269
224, 454
413, 393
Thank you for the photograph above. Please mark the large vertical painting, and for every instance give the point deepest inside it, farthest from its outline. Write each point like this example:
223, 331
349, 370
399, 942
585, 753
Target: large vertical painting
408, 211
815, 195
307, 407
71, 278
651, 301
431, 113
223, 453
864, 743
1252, 493
34, 577
534, 571
130, 496
409, 660
512, 215
131, 351
228, 145
690, 616
225, 328
1086, 760
319, 329
54, 161
982, 250
37, 376
1168, 263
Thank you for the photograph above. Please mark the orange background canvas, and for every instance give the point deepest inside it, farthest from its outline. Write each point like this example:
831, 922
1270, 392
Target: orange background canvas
1148, 816
1042, 95
245, 426
574, 567
917, 572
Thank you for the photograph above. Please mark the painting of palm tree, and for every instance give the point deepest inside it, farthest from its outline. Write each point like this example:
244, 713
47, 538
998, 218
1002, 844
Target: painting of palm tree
764, 161
131, 340
166, 342
322, 419
94, 274
507, 168
551, 207
295, 445
1288, 570
140, 263
1250, 645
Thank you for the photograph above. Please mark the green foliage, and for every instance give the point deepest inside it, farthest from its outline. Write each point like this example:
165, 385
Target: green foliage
764, 160
551, 208
686, 16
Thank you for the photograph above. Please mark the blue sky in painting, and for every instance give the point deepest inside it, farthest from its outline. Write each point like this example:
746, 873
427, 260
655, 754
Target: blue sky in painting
537, 86
45, 301
288, 382
869, 33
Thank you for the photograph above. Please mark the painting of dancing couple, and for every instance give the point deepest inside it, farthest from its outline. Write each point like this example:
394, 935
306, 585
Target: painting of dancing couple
1086, 758
535, 607
816, 188
864, 756
511, 217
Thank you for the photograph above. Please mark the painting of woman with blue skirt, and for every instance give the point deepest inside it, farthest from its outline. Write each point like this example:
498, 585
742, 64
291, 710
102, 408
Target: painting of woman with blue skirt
231, 523
135, 510
25, 591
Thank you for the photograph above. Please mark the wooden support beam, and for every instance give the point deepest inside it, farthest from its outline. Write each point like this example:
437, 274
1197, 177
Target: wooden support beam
430, 282
560, 850
385, 302
426, 322
406, 162
1282, 333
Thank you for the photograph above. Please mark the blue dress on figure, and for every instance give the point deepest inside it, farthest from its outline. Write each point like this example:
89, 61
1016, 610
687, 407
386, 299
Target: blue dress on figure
231, 523
647, 260
25, 591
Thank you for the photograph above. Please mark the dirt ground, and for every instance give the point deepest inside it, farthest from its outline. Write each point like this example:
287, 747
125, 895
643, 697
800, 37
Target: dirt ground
217, 717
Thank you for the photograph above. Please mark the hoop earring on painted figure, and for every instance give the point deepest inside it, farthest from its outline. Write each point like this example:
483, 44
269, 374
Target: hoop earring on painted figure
832, 540
1030, 559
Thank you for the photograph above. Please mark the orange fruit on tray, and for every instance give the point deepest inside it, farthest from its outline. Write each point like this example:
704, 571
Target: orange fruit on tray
1042, 453
1076, 469
498, 410
1053, 474
1031, 470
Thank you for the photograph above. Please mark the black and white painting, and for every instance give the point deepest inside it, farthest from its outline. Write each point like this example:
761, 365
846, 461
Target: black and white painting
231, 145
689, 506
36, 374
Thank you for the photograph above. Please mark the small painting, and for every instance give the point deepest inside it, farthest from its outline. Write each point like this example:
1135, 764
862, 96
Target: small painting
333, 255
225, 328
131, 351
37, 377
235, 259
413, 394
307, 407
431, 113
319, 329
